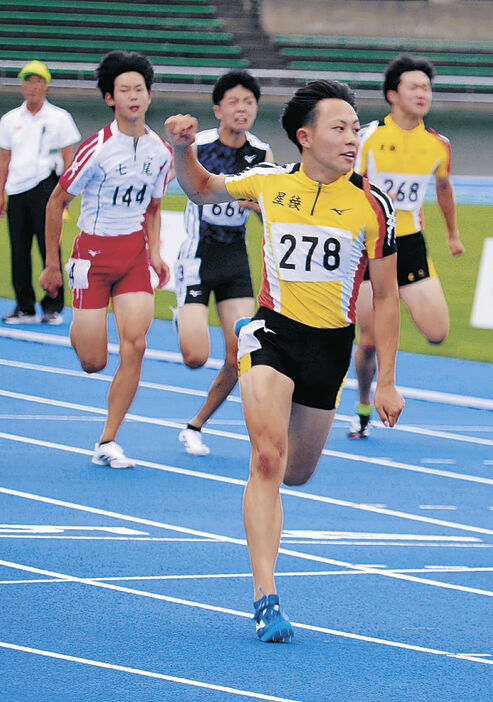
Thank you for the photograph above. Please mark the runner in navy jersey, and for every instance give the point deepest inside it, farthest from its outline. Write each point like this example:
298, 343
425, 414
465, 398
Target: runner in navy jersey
213, 257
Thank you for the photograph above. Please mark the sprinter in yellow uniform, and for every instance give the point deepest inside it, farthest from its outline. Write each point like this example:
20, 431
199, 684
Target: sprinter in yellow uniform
400, 155
321, 224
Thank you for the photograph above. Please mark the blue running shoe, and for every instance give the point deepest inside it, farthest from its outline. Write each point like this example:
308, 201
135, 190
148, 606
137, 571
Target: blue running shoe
241, 323
272, 625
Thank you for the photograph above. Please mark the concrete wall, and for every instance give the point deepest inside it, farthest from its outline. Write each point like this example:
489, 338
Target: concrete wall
420, 19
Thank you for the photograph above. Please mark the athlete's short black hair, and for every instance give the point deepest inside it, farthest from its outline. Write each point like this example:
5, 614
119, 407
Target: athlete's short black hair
301, 108
403, 63
231, 80
118, 61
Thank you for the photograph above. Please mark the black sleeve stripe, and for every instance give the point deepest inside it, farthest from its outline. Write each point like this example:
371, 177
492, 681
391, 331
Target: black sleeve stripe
388, 210
356, 179
384, 199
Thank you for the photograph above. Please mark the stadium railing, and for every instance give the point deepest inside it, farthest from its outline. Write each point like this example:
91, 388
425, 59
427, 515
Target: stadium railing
189, 48
461, 66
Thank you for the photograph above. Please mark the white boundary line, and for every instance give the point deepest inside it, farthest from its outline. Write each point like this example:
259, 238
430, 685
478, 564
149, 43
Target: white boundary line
237, 613
242, 542
174, 357
150, 674
243, 437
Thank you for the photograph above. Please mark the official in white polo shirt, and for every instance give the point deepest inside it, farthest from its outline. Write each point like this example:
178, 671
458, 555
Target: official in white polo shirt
36, 146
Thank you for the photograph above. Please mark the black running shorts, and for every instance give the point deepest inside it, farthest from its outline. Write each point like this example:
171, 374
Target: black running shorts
219, 268
413, 263
315, 359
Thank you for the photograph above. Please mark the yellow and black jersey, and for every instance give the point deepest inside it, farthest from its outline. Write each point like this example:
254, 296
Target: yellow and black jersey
317, 239
401, 162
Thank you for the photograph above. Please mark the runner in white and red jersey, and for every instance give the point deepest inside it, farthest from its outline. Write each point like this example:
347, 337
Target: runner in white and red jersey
121, 174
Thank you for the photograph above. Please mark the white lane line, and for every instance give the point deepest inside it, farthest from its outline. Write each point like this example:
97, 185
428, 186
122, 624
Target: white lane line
319, 535
59, 528
287, 535
443, 435
311, 573
108, 378
244, 437
390, 544
383, 462
145, 673
445, 398
458, 427
50, 418
236, 481
57, 340
430, 544
426, 431
83, 418
242, 542
224, 610
444, 507
386, 573
99, 538
247, 576
455, 569
216, 363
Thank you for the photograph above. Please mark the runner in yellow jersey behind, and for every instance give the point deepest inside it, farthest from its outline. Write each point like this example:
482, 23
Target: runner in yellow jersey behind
322, 223
400, 155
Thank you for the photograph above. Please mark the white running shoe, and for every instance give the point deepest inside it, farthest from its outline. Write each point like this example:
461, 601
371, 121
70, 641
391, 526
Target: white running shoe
52, 318
174, 318
192, 440
111, 455
360, 427
20, 317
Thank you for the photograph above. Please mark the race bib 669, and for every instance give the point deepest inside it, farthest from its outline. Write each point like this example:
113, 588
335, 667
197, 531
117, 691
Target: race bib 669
225, 214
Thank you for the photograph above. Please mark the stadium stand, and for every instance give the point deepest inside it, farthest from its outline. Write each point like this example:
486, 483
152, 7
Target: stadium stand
191, 42
462, 66
183, 39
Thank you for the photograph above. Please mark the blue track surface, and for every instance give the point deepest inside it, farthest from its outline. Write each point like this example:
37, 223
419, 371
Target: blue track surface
135, 586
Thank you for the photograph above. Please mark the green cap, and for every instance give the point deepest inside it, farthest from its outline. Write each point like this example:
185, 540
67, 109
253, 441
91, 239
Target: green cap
36, 68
